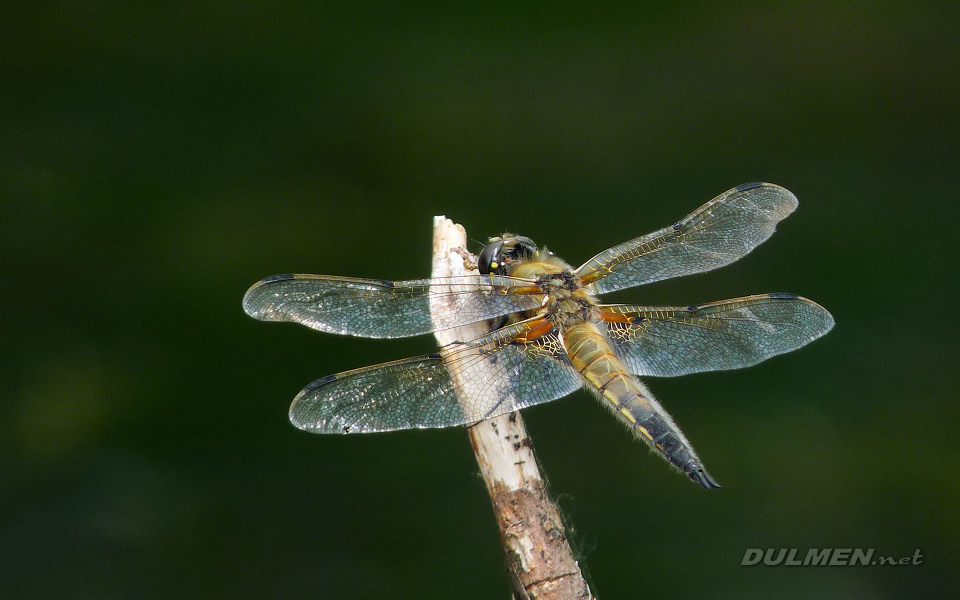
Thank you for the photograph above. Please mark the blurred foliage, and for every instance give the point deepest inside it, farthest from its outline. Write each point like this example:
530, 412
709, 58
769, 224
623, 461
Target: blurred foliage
158, 158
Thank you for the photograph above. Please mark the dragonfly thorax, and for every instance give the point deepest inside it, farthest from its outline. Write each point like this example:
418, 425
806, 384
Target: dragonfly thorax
565, 300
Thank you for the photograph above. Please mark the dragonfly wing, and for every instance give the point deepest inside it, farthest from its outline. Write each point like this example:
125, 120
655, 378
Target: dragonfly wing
404, 394
494, 374
731, 334
386, 309
516, 369
716, 234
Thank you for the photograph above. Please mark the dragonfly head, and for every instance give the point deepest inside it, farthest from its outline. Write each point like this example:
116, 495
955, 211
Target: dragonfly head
501, 251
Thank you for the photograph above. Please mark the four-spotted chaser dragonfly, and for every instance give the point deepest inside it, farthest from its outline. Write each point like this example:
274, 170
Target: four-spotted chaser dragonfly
550, 334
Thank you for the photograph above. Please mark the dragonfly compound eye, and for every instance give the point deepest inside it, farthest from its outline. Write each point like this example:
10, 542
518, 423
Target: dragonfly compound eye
489, 260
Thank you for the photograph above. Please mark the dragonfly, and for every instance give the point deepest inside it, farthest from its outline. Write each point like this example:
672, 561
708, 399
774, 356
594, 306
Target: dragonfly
548, 333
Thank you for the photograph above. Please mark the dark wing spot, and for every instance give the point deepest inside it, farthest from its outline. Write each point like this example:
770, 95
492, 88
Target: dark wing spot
677, 226
276, 278
748, 186
692, 308
319, 383
638, 319
782, 296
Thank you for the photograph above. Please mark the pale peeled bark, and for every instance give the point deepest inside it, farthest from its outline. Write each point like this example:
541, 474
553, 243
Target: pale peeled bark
539, 557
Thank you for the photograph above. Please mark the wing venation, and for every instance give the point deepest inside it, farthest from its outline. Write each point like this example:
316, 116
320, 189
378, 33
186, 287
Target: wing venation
494, 375
718, 233
731, 334
386, 309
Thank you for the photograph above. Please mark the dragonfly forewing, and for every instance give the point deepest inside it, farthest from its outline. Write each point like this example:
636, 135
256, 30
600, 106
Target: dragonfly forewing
385, 309
716, 234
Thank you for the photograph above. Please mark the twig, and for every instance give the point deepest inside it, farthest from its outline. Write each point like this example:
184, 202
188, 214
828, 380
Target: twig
538, 555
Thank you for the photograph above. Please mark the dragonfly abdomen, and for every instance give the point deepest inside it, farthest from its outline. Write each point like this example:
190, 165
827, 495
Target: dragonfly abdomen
630, 400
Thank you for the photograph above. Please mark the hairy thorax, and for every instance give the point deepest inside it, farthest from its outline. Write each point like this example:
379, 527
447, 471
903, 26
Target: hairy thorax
566, 303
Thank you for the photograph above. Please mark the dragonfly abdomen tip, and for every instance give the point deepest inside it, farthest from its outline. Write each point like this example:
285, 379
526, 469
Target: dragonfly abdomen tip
701, 476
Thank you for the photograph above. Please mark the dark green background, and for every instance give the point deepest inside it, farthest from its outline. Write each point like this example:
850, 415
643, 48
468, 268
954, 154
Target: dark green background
156, 159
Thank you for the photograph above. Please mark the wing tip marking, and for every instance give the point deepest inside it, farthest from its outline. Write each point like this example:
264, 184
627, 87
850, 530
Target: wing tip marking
319, 383
276, 278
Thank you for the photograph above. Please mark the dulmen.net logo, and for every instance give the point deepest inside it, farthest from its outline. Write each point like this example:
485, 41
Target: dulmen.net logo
824, 557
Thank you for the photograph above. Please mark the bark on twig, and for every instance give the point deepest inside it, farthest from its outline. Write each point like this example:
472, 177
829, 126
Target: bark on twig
538, 554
